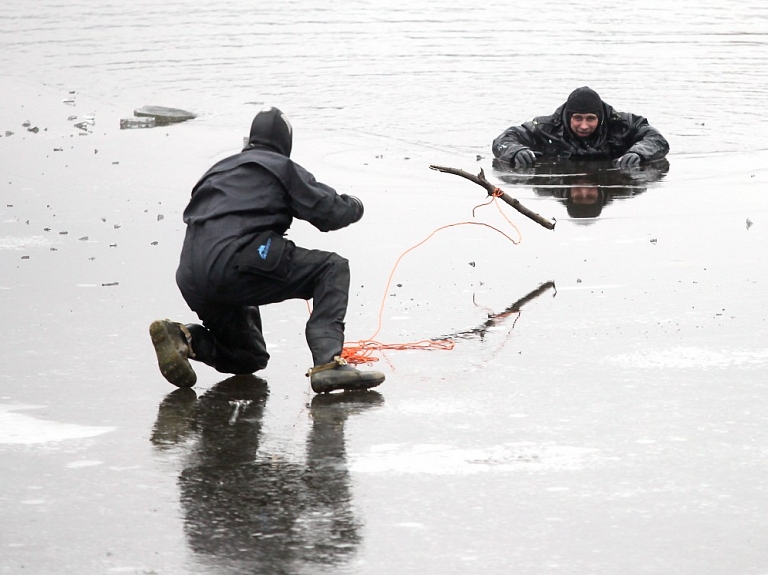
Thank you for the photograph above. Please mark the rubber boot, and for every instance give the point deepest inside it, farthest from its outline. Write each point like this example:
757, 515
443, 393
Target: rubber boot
173, 349
340, 375
204, 344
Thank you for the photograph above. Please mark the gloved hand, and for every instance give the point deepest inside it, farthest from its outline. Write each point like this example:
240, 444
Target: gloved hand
525, 158
628, 160
359, 206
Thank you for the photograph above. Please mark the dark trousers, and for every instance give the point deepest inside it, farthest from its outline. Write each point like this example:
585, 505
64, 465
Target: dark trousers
231, 340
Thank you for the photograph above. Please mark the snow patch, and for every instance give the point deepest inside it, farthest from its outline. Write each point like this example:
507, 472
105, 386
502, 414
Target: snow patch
17, 243
16, 428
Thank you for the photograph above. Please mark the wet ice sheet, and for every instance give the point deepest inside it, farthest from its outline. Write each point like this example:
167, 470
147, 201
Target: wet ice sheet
617, 427
449, 460
691, 358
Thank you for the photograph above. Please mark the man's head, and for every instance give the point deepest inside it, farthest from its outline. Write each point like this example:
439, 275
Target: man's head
584, 111
270, 128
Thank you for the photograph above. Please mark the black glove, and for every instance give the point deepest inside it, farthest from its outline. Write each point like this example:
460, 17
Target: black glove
524, 158
628, 160
359, 206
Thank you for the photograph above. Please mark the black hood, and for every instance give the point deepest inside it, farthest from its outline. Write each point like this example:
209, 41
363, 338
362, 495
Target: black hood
584, 100
271, 129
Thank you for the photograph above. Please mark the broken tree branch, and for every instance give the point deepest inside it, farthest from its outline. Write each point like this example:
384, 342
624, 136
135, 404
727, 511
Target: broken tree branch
498, 192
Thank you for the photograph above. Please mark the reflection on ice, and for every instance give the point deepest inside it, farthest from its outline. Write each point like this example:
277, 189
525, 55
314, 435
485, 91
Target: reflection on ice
584, 188
247, 510
16, 428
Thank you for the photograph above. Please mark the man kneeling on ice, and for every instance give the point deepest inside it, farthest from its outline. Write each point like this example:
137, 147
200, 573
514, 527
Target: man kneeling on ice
235, 258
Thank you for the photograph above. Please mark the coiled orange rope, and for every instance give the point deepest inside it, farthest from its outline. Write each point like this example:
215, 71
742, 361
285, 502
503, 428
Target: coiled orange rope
357, 352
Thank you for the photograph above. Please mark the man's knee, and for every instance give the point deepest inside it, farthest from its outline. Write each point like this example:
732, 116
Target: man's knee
338, 265
252, 364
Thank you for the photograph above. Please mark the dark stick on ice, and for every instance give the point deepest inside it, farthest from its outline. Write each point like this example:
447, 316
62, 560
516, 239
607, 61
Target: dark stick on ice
491, 189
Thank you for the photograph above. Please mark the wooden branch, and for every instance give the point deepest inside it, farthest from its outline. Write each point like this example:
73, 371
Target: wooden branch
491, 189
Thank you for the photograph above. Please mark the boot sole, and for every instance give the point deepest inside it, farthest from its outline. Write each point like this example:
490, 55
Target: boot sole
355, 383
171, 351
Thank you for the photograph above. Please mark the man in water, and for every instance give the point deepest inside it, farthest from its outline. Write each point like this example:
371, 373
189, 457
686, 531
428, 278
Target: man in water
235, 258
583, 128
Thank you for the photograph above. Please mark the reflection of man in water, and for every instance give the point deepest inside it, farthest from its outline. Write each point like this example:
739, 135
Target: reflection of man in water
583, 128
585, 188
584, 200
246, 512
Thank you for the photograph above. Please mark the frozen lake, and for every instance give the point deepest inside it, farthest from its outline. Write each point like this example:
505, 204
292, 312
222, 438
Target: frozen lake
602, 410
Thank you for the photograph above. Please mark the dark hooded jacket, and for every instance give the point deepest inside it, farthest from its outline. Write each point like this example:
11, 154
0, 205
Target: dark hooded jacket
256, 190
551, 136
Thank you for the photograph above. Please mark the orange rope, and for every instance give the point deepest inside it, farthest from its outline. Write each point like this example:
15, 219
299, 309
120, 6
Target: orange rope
361, 351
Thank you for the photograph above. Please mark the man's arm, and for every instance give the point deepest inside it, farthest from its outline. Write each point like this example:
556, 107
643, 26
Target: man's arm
645, 140
513, 140
319, 204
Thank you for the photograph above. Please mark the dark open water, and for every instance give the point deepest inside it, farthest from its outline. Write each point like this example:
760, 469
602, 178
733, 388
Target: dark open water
430, 73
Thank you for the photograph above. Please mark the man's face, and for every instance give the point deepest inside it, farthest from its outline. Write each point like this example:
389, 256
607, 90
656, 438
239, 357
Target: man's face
584, 124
